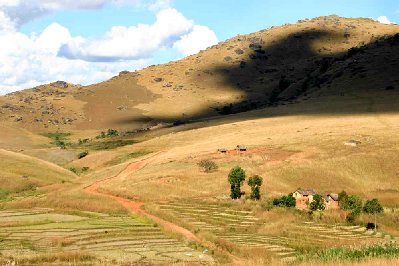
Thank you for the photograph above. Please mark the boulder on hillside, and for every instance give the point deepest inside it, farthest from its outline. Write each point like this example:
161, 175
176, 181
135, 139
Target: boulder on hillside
60, 84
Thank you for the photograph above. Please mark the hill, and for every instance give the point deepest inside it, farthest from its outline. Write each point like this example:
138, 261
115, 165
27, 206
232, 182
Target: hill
280, 65
21, 174
294, 95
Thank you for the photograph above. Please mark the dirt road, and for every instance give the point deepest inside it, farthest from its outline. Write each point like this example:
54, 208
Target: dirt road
135, 206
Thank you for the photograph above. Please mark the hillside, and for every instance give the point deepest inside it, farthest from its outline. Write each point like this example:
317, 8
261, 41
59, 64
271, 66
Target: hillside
22, 175
314, 103
281, 65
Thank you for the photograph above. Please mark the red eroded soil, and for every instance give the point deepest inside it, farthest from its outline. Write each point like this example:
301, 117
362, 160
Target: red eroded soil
135, 206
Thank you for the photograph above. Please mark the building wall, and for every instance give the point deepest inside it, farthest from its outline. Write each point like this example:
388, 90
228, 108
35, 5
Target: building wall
301, 203
332, 205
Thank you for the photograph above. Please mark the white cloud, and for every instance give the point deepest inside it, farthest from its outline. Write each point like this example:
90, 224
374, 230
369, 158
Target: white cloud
199, 38
23, 11
159, 5
27, 60
127, 43
383, 20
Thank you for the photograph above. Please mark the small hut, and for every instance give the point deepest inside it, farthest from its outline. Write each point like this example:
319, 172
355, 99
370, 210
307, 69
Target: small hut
241, 148
222, 150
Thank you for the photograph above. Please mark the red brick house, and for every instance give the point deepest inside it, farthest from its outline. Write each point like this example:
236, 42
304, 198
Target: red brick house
331, 201
303, 197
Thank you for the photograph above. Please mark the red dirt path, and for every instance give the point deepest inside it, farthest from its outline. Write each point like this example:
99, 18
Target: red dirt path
135, 206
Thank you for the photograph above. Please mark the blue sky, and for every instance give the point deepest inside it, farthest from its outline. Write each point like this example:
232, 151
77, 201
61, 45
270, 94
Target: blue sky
223, 17
88, 41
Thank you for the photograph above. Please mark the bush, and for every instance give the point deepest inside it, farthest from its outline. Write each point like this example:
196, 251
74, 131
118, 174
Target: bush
285, 201
83, 154
59, 139
208, 166
109, 134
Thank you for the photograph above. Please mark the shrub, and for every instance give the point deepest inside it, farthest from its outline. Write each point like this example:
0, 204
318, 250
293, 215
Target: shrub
83, 154
208, 166
236, 177
112, 133
83, 141
109, 134
285, 201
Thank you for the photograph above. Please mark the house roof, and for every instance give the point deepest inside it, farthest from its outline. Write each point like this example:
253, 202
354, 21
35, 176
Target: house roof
306, 192
334, 196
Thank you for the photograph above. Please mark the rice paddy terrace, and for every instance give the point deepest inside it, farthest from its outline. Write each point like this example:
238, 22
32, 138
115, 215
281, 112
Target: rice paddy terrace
239, 228
27, 233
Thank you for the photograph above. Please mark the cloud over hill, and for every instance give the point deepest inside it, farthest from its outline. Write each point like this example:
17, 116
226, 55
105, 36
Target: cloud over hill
54, 54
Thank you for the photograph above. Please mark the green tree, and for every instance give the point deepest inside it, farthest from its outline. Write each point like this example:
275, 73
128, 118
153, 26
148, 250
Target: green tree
342, 197
236, 178
353, 203
373, 207
317, 203
255, 182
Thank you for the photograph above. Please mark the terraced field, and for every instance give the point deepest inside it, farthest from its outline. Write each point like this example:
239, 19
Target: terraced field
27, 233
287, 246
210, 217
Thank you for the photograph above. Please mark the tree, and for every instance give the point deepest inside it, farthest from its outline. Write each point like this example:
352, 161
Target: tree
255, 182
236, 177
351, 203
373, 207
317, 203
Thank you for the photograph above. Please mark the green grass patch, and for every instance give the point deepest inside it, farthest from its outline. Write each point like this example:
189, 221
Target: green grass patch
342, 253
126, 157
58, 135
79, 170
25, 191
59, 139
108, 145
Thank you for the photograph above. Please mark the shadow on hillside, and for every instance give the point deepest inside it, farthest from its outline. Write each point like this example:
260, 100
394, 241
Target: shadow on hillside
291, 72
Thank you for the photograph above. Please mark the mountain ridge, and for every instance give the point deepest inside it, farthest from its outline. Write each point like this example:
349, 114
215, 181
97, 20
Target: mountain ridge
273, 66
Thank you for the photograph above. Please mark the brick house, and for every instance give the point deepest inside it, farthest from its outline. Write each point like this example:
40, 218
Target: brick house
303, 197
331, 201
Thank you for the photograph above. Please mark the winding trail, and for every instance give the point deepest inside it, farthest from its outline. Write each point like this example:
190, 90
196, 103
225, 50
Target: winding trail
135, 206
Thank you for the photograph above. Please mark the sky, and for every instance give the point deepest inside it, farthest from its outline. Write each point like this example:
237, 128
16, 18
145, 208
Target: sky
88, 41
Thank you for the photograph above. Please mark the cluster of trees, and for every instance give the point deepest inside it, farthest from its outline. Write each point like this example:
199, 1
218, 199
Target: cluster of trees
109, 134
236, 179
354, 204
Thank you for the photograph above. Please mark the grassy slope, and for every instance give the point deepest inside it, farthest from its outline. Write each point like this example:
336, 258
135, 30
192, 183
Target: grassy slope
15, 166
